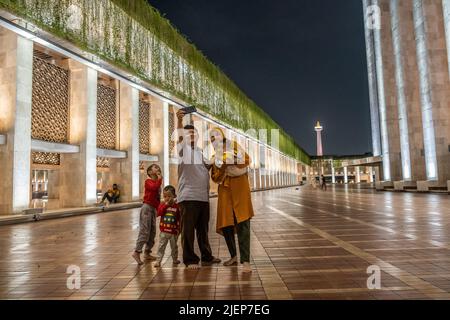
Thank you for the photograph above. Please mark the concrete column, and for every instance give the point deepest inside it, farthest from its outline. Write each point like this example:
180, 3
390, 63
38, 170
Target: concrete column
333, 175
16, 72
278, 170
166, 136
440, 86
407, 83
358, 174
292, 172
125, 172
370, 174
269, 168
425, 90
400, 85
345, 175
253, 147
79, 171
157, 131
382, 99
257, 166
371, 72
446, 12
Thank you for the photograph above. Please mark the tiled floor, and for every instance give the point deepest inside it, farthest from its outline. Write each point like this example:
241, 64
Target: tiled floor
306, 244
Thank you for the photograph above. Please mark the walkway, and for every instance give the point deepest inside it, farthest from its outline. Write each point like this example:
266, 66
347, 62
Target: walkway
306, 244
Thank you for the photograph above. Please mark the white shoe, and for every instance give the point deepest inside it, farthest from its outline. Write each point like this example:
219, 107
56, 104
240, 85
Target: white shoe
246, 268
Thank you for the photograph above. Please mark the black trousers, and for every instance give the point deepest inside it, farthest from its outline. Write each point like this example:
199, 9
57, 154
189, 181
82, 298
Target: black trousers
195, 220
243, 233
112, 199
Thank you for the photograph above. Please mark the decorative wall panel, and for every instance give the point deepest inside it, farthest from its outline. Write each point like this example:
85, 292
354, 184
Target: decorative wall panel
50, 102
102, 162
106, 117
46, 158
144, 127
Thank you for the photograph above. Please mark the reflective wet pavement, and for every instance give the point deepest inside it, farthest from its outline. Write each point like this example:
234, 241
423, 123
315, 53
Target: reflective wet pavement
306, 244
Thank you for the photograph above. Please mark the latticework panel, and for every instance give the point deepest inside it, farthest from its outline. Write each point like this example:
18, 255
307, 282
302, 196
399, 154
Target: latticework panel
50, 102
144, 127
106, 117
46, 158
102, 162
171, 131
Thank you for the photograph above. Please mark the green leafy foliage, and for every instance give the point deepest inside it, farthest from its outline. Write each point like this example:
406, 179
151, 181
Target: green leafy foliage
134, 36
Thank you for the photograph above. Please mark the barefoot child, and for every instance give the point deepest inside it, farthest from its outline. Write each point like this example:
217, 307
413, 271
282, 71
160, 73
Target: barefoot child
169, 225
147, 221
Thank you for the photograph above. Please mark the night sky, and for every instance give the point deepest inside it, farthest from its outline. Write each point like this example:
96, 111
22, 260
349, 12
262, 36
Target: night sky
299, 60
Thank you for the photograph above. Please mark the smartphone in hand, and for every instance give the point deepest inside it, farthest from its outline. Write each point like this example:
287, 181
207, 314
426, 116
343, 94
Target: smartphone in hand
188, 110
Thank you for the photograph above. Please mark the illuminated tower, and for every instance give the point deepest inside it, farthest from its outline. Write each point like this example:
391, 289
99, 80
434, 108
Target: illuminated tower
319, 129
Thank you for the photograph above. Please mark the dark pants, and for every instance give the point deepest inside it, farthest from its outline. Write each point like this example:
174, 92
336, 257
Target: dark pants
195, 219
111, 199
243, 233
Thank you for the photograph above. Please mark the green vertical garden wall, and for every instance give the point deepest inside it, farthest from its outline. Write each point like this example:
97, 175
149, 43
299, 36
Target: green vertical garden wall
132, 35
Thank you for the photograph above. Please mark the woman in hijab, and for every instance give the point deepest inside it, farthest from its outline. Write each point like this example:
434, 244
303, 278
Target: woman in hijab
234, 208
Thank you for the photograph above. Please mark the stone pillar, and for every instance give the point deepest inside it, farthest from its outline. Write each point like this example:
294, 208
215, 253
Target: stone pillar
264, 169
346, 175
446, 12
125, 172
78, 172
269, 168
403, 31
439, 82
357, 175
300, 172
166, 138
279, 173
253, 147
391, 92
333, 175
400, 85
371, 72
157, 138
425, 90
258, 166
379, 66
16, 72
